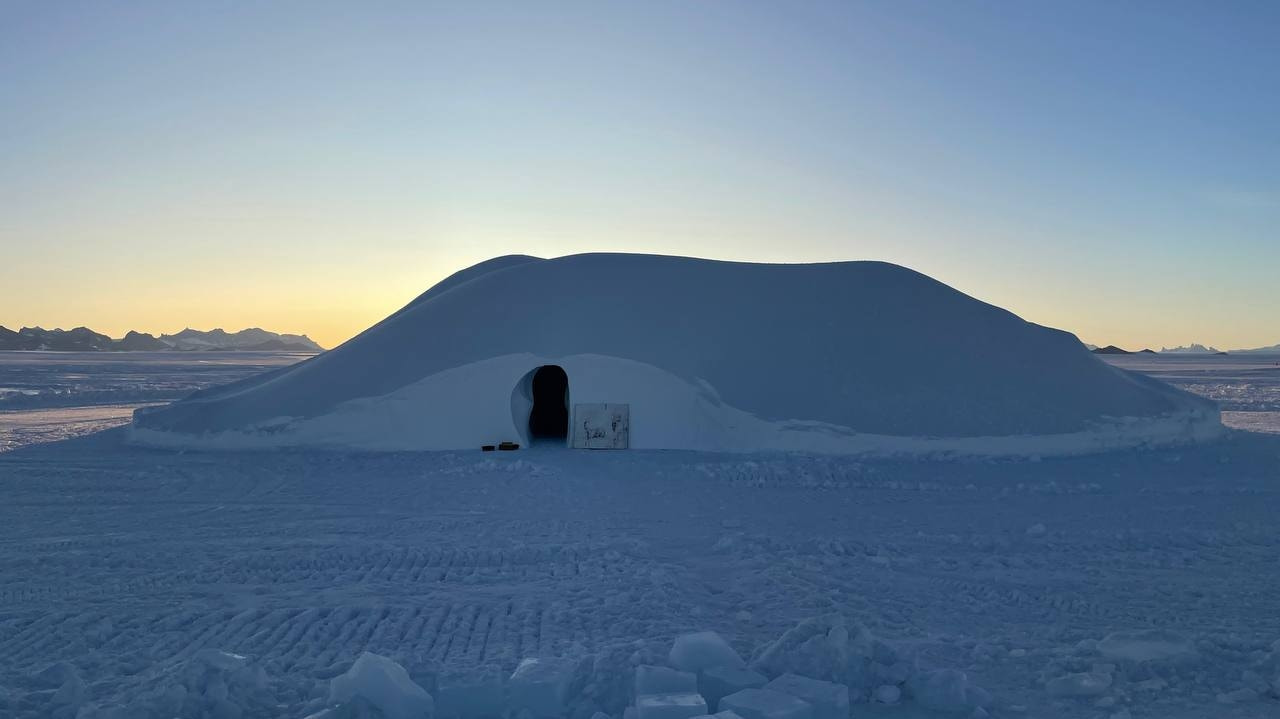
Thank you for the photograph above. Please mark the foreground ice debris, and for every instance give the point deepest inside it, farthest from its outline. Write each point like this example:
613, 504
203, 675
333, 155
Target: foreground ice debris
830, 663
821, 648
222, 685
481, 695
1239, 696
1146, 645
829, 700
670, 706
70, 696
544, 686
210, 683
385, 685
887, 694
703, 650
766, 704
1079, 684
830, 649
718, 682
663, 680
55, 675
947, 690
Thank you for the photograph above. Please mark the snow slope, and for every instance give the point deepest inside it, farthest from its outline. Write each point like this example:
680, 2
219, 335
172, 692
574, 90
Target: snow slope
832, 357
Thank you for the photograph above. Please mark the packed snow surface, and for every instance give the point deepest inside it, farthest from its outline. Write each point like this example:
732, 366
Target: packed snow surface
148, 583
842, 357
186, 584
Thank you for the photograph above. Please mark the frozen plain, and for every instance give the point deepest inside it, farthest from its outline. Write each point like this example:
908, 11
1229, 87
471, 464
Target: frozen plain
47, 396
130, 564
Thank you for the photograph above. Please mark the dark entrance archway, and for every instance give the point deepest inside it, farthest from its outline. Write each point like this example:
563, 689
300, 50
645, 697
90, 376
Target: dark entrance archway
549, 418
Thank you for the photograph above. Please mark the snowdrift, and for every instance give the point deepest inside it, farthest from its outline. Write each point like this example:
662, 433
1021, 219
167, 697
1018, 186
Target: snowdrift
841, 357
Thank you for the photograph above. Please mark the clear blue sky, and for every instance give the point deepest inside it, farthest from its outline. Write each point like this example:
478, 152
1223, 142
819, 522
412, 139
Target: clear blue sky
1110, 168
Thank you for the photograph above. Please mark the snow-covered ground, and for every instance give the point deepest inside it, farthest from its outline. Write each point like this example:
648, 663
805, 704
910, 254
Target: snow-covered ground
34, 426
242, 584
46, 396
1246, 387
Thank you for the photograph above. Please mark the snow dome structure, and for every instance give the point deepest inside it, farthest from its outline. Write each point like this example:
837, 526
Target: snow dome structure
669, 352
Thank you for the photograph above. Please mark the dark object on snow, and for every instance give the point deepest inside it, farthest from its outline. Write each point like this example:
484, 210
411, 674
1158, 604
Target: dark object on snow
487, 448
1111, 350
508, 446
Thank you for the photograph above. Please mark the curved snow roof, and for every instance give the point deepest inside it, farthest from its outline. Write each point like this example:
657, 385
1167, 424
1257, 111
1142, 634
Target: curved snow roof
867, 348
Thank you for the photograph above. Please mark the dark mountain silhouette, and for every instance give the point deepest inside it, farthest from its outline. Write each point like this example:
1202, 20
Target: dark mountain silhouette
83, 339
250, 339
80, 339
140, 342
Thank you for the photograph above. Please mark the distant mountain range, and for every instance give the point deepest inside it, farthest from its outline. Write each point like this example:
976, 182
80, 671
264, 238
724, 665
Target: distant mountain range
1202, 350
83, 339
1113, 350
1191, 349
1272, 350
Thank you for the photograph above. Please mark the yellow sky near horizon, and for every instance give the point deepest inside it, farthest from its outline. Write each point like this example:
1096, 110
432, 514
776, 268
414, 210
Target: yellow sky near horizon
332, 303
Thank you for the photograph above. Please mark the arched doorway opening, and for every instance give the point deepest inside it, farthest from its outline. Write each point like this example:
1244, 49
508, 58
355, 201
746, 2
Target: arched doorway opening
549, 416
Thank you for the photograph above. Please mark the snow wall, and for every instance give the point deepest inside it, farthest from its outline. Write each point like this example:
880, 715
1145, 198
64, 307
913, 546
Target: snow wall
844, 357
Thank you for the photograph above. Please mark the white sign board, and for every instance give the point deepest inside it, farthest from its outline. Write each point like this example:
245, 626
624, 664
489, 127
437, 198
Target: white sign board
601, 426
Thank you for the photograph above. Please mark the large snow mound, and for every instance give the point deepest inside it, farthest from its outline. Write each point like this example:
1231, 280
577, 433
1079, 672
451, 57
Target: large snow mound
831, 357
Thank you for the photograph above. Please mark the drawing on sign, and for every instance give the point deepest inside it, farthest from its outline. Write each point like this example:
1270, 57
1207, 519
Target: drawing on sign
601, 426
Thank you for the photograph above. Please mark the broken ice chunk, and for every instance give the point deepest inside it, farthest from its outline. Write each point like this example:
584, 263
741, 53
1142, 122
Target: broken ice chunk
1081, 684
941, 690
829, 700
719, 682
384, 684
543, 686
71, 693
1146, 645
670, 706
663, 680
703, 650
1239, 696
766, 704
55, 675
888, 694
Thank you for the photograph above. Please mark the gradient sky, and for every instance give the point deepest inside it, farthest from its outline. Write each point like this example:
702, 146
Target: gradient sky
1112, 169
